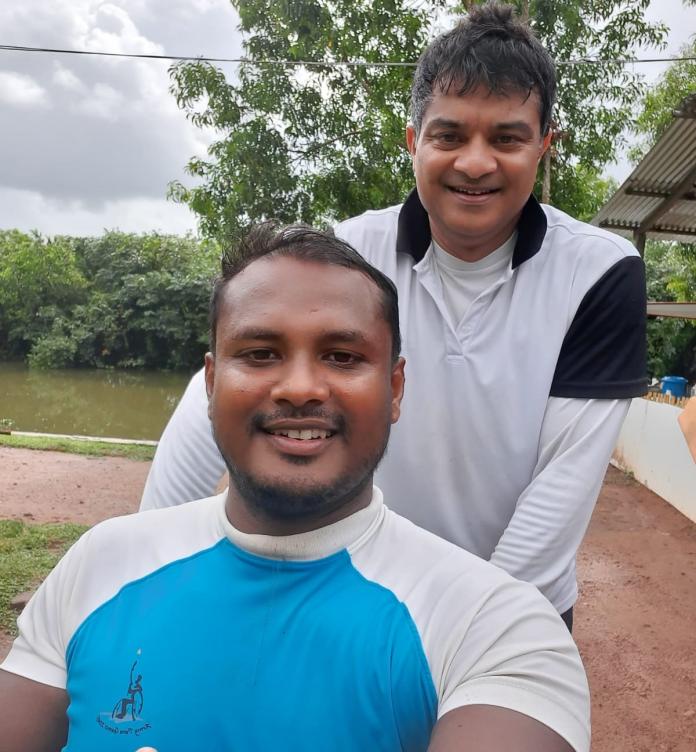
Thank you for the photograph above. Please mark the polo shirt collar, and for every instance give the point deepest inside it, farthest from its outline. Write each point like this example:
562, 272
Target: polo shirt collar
413, 234
315, 544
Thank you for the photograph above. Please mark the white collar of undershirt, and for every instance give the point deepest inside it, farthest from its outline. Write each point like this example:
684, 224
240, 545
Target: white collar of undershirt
315, 544
499, 257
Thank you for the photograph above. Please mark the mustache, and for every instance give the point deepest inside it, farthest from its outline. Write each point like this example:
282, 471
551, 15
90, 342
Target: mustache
335, 420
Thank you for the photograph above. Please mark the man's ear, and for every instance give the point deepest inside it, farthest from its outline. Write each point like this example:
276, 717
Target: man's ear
398, 380
209, 377
411, 139
546, 142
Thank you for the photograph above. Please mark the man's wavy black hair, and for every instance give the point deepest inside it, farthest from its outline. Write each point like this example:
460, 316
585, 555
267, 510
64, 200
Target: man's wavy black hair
271, 239
489, 48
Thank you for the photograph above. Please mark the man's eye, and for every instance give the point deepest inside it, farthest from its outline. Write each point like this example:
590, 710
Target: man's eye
340, 358
507, 139
446, 138
259, 356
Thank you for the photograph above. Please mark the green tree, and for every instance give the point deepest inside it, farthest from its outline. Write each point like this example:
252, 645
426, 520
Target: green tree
120, 300
319, 142
304, 142
148, 302
596, 102
37, 277
671, 276
660, 102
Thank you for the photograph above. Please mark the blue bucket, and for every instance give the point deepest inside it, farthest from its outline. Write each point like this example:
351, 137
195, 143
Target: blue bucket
674, 385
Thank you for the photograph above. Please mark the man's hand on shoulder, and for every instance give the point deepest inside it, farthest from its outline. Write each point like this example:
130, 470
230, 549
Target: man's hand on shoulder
487, 728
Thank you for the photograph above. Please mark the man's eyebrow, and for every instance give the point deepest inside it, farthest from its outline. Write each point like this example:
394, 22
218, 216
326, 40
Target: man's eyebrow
515, 125
508, 125
443, 123
256, 333
330, 335
344, 335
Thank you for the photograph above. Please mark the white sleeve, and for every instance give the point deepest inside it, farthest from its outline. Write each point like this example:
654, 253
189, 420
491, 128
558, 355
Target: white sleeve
187, 463
46, 624
552, 513
515, 653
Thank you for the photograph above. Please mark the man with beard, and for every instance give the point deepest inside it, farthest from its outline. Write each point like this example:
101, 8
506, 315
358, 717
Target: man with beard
524, 329
294, 611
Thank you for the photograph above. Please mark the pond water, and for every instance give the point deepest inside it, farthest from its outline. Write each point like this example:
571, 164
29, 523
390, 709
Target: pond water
120, 404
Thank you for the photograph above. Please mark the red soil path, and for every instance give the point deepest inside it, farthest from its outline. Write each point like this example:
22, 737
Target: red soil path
635, 620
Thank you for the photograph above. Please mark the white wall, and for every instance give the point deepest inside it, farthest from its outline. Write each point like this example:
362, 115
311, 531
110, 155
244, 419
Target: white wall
652, 447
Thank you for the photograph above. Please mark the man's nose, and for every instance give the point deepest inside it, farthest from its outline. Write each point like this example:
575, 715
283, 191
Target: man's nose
301, 380
475, 159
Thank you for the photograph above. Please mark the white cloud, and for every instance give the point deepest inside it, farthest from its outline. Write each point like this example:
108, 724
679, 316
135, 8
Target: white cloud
19, 90
29, 210
113, 137
66, 79
103, 101
113, 30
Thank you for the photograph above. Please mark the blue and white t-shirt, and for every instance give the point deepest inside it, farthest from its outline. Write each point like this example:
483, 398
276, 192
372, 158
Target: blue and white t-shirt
174, 630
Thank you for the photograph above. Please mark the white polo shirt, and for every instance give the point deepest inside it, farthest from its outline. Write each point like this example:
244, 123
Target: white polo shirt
510, 415
565, 319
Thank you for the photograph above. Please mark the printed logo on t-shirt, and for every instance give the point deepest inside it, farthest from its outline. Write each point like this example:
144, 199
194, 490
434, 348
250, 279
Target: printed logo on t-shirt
125, 718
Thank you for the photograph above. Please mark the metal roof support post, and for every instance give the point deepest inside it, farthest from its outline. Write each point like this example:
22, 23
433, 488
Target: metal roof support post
639, 241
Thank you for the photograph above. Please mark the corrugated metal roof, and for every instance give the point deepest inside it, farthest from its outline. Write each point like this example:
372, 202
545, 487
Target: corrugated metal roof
659, 197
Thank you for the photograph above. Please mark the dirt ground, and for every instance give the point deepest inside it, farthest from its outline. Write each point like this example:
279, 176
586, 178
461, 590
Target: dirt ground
635, 622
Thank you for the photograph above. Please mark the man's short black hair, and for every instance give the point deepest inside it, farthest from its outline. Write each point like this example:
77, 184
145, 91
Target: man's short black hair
271, 239
491, 48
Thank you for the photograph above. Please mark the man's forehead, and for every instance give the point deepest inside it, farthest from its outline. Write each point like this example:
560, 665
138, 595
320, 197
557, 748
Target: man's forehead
513, 98
277, 276
282, 288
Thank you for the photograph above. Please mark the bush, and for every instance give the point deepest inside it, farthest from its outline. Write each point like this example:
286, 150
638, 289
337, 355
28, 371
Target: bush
121, 300
52, 351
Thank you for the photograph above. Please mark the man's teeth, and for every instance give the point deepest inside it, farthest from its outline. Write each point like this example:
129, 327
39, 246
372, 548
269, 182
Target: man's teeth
473, 193
304, 434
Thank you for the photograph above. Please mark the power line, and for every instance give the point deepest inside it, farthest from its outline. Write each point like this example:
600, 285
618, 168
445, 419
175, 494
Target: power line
332, 64
312, 63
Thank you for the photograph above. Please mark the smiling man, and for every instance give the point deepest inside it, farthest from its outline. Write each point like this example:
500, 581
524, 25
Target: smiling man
524, 329
294, 611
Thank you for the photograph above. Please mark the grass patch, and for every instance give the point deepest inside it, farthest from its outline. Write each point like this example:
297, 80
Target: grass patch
79, 446
27, 555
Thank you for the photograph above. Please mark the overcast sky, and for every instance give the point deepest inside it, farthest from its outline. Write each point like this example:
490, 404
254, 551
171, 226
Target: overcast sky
90, 143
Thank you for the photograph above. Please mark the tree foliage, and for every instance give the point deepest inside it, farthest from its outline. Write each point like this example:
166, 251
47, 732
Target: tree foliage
671, 276
304, 142
660, 102
120, 300
35, 275
322, 142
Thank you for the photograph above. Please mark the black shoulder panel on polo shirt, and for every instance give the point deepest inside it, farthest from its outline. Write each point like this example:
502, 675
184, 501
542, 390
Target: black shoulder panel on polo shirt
413, 234
604, 351
531, 230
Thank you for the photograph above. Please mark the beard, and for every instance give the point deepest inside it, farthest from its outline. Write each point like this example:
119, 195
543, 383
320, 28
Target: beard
302, 497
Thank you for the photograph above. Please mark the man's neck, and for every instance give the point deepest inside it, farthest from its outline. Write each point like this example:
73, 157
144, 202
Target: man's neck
474, 249
248, 517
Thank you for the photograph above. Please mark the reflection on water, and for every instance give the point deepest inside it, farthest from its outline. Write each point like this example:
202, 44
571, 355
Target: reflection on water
122, 404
